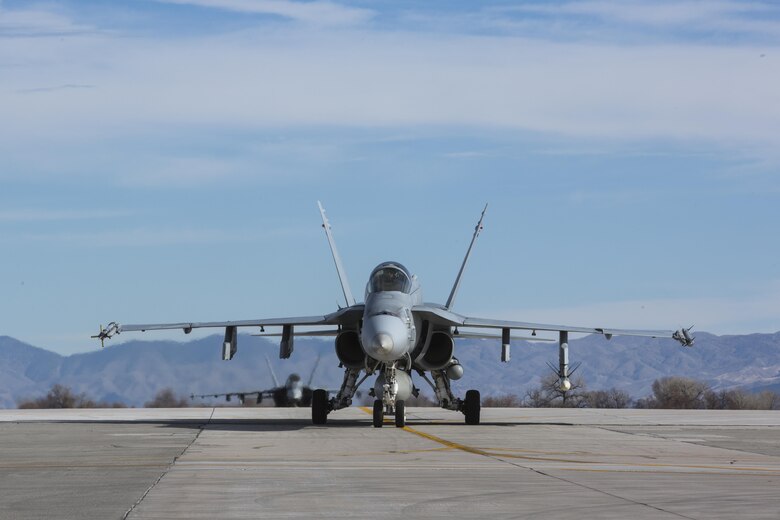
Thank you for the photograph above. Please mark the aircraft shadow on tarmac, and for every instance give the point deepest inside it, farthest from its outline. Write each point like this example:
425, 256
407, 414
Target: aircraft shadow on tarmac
261, 425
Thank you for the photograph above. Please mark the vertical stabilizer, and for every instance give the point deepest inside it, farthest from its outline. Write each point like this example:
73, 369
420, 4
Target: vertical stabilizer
271, 369
454, 291
314, 369
337, 259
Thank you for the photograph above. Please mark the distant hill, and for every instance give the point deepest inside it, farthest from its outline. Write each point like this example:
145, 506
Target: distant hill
133, 372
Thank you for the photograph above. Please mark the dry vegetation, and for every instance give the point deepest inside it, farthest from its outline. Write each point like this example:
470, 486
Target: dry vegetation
668, 392
60, 396
685, 393
167, 398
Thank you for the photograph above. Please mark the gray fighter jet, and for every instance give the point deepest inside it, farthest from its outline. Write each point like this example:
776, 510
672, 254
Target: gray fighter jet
393, 335
293, 393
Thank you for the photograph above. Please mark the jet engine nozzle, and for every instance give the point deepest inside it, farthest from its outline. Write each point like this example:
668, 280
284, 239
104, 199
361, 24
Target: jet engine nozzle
385, 337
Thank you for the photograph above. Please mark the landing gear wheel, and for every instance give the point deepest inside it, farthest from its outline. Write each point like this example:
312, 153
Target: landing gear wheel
400, 414
471, 407
319, 406
379, 413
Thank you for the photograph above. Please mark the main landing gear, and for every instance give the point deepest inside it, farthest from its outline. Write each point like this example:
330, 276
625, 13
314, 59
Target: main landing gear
319, 406
472, 407
379, 413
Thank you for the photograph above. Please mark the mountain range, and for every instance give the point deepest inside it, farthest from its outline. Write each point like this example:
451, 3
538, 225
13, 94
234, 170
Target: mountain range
134, 371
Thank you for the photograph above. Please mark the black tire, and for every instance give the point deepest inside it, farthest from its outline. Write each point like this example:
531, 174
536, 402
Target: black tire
379, 414
400, 414
319, 406
471, 407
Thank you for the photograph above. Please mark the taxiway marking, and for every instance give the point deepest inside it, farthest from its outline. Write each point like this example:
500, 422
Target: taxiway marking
648, 466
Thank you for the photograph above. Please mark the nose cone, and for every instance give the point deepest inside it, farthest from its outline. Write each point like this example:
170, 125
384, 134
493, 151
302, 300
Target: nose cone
385, 337
383, 342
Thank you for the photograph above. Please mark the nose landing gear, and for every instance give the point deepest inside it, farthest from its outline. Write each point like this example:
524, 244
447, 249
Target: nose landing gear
399, 411
389, 404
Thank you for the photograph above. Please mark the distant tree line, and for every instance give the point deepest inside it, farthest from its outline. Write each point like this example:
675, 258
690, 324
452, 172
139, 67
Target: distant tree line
61, 396
668, 393
684, 393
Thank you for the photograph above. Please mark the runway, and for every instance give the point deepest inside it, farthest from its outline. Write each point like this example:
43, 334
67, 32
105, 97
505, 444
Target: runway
273, 463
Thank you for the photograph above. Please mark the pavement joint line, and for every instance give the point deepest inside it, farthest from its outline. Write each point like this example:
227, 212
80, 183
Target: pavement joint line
477, 451
637, 502
168, 468
485, 453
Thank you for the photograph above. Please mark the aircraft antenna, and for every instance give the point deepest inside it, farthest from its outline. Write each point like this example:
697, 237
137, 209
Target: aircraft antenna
337, 259
477, 229
271, 369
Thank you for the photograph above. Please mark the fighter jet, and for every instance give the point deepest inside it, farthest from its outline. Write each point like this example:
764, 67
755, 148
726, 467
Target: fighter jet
292, 394
393, 334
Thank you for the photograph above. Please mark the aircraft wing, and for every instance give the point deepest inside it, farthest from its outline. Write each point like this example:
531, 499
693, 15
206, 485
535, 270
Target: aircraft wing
347, 316
443, 316
238, 395
303, 320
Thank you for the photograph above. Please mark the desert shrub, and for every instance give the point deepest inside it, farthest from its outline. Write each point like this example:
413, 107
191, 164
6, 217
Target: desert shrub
61, 396
167, 398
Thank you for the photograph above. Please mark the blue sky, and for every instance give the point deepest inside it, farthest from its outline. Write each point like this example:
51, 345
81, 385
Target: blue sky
161, 160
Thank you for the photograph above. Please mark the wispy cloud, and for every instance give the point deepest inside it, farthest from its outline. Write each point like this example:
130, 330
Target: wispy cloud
157, 236
36, 90
43, 215
467, 154
722, 96
686, 15
320, 13
756, 312
137, 237
402, 79
37, 22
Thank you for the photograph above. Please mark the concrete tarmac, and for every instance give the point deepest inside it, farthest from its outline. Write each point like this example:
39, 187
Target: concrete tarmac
273, 463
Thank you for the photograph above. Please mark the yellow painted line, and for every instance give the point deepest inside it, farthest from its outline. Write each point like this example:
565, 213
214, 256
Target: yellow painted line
485, 453
477, 451
737, 473
35, 465
370, 412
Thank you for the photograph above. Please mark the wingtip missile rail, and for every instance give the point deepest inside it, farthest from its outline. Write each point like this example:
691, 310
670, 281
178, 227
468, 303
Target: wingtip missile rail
684, 337
108, 332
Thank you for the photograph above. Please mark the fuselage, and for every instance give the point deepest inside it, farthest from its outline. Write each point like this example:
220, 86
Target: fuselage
388, 332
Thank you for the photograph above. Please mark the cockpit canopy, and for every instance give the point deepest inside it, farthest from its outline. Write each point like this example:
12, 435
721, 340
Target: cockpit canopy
389, 276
